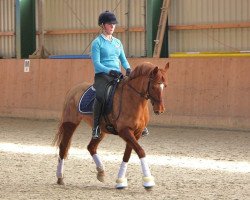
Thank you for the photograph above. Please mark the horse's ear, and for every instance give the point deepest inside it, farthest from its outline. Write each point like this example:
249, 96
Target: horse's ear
167, 66
155, 70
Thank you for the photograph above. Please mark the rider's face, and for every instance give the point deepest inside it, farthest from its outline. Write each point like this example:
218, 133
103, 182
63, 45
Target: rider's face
109, 28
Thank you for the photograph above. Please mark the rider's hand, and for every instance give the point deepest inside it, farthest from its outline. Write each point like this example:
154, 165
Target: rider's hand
128, 71
114, 73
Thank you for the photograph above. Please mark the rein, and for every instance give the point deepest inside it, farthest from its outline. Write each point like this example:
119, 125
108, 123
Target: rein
146, 95
143, 95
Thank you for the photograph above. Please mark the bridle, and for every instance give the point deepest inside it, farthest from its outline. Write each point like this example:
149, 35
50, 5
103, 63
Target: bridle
146, 95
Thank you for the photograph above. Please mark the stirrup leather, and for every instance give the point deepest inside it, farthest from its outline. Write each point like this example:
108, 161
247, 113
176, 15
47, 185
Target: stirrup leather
96, 132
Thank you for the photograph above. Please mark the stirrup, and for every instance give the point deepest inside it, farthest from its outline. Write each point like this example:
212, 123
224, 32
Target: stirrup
145, 132
96, 132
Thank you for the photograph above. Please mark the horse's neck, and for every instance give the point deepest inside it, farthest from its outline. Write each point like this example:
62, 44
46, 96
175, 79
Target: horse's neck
138, 87
139, 83
128, 105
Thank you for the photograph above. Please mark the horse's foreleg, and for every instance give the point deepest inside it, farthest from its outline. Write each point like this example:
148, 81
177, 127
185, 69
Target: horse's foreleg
128, 136
148, 179
92, 148
121, 181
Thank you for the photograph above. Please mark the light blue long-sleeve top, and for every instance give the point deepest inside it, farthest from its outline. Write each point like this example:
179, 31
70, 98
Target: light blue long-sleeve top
107, 55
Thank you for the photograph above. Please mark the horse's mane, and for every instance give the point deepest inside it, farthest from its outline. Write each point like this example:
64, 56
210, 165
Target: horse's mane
142, 70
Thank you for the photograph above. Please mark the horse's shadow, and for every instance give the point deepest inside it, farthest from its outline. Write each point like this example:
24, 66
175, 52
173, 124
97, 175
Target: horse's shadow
92, 188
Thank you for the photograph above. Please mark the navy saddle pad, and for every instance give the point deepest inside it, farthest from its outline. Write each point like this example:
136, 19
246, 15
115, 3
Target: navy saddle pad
87, 101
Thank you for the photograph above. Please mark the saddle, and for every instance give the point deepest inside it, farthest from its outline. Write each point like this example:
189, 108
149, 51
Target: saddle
86, 102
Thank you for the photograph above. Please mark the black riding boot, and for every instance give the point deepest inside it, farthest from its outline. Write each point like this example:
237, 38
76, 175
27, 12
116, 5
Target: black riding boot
97, 111
145, 132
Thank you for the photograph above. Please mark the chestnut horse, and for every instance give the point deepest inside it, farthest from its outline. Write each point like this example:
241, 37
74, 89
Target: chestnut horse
129, 117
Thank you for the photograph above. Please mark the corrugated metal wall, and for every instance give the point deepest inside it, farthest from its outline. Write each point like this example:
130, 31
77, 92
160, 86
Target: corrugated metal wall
83, 14
192, 12
7, 28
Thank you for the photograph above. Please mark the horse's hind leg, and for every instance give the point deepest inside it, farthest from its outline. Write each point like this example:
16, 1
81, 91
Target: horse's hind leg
64, 137
92, 148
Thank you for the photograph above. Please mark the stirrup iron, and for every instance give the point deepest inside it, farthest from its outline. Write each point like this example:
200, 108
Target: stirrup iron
145, 132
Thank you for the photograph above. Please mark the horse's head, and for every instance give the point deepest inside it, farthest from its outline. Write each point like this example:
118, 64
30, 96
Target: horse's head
157, 83
153, 83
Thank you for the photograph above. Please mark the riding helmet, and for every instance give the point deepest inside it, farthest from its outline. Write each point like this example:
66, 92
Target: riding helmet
107, 17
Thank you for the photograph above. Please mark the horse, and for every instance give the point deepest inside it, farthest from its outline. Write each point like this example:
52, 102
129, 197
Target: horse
129, 117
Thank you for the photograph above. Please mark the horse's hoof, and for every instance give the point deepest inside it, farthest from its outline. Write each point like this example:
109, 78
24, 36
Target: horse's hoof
60, 181
121, 183
148, 182
100, 175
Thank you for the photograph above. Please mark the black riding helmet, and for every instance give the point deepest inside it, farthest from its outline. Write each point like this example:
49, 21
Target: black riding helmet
107, 17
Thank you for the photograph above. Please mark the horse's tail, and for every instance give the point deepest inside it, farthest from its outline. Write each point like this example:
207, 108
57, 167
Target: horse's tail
68, 124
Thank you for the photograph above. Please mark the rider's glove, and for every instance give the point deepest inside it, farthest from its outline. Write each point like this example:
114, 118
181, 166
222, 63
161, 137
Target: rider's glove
128, 71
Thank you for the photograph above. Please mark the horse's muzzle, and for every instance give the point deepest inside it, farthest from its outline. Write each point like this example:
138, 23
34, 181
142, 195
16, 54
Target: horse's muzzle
158, 112
158, 108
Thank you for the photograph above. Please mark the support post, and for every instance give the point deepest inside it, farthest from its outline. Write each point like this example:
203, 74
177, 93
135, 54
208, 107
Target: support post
161, 28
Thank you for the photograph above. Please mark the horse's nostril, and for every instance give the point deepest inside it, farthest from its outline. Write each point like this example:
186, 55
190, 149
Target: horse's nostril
157, 112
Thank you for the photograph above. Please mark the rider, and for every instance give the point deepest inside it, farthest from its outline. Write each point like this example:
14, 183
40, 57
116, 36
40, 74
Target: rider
107, 53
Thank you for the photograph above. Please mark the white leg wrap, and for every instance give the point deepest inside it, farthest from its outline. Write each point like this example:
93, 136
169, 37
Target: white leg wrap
122, 181
59, 172
123, 170
98, 162
148, 179
145, 168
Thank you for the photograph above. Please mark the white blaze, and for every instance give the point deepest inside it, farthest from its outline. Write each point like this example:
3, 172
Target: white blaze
161, 86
